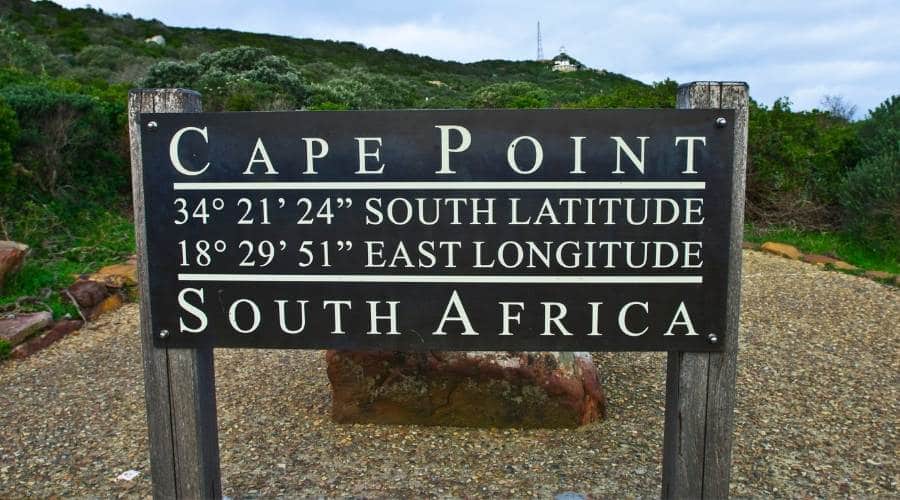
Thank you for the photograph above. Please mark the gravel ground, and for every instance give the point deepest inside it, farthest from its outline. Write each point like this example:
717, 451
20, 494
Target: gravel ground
817, 414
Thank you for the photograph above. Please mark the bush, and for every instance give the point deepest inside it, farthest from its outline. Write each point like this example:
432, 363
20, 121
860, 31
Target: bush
236, 79
68, 142
5, 349
510, 95
796, 164
102, 56
880, 132
9, 134
19, 53
870, 196
659, 95
359, 89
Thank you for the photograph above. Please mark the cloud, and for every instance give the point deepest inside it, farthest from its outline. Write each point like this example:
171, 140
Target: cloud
432, 38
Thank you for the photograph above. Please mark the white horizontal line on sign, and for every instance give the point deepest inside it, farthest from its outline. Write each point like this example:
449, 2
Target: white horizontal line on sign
439, 185
381, 278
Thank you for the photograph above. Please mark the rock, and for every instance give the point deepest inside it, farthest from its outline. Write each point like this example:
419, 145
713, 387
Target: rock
18, 328
110, 303
35, 344
116, 275
819, 260
878, 275
474, 389
749, 245
12, 257
781, 249
844, 266
88, 293
157, 39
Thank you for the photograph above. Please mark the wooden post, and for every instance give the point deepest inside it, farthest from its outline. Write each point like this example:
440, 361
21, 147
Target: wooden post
700, 386
179, 384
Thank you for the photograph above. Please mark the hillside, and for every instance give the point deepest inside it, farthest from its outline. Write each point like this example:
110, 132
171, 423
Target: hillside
90, 45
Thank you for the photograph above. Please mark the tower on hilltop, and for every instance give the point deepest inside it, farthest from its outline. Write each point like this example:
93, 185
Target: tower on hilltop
540, 44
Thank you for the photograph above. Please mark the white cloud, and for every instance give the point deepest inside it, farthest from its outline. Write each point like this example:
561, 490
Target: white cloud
432, 38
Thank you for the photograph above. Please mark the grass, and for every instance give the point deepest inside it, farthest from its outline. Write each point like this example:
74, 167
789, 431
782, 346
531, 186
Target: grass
65, 242
835, 244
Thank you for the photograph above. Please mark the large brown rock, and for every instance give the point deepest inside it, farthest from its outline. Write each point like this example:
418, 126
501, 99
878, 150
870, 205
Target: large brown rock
470, 389
819, 260
782, 249
88, 293
844, 266
12, 257
879, 275
117, 275
108, 304
38, 342
17, 328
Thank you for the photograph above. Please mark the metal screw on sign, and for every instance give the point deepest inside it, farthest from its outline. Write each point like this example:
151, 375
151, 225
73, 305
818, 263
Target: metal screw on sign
720, 122
712, 338
152, 125
163, 334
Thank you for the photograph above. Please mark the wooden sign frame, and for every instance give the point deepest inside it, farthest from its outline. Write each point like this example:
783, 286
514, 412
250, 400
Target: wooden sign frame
180, 382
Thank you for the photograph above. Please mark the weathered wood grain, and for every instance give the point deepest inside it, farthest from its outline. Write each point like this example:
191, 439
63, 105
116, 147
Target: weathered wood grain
700, 386
179, 383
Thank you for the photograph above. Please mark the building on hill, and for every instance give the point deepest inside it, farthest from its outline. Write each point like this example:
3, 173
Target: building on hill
566, 63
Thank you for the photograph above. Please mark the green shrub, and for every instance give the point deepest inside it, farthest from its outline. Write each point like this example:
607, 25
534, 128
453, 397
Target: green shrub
659, 95
5, 349
69, 143
9, 134
359, 89
19, 53
880, 132
510, 95
102, 56
238, 79
796, 164
870, 195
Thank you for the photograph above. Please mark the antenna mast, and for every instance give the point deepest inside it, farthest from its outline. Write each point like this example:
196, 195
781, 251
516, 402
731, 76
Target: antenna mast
540, 44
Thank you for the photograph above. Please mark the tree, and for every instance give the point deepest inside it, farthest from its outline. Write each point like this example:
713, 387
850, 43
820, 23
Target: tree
880, 131
838, 107
238, 79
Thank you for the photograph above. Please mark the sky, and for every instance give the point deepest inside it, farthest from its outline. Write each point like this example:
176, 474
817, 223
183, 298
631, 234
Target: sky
802, 50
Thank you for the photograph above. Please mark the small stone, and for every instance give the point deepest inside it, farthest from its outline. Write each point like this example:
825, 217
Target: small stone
819, 260
88, 293
12, 257
878, 275
117, 275
781, 249
17, 329
844, 266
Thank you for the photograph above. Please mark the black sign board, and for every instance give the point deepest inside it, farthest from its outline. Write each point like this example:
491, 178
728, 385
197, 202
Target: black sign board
439, 230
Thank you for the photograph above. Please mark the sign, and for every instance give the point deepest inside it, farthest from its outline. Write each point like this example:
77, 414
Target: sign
439, 230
